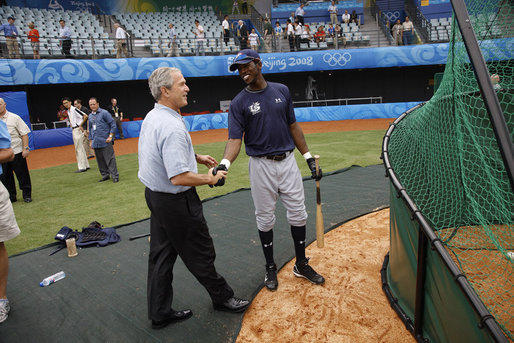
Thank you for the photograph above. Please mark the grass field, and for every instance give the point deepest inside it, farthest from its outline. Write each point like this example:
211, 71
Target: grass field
62, 198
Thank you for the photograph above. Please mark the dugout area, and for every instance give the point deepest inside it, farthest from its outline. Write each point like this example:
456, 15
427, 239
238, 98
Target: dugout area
103, 297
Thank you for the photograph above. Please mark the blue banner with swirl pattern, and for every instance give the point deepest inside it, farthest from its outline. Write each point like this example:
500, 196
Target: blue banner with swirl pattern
39, 72
59, 137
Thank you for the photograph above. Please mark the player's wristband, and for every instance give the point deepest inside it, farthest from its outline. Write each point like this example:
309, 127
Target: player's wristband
307, 155
225, 162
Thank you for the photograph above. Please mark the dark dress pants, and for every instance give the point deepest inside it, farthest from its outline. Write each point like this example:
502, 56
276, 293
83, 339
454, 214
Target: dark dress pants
66, 47
106, 161
178, 228
119, 125
19, 167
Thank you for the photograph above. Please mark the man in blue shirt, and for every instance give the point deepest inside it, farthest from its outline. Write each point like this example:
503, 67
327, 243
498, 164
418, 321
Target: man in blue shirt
11, 35
263, 114
65, 38
8, 226
168, 169
101, 133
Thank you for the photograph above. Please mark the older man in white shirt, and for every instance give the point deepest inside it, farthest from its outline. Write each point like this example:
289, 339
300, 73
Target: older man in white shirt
77, 120
121, 41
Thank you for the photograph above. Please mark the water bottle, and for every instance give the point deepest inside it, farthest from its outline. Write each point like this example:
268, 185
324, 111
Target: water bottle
52, 278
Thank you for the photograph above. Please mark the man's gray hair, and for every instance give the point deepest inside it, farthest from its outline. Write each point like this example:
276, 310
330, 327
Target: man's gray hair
160, 77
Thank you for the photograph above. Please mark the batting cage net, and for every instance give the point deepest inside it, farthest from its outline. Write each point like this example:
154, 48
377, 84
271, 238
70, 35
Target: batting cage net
447, 158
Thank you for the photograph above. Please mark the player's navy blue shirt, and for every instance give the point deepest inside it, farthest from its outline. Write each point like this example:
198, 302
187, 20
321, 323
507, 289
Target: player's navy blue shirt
264, 118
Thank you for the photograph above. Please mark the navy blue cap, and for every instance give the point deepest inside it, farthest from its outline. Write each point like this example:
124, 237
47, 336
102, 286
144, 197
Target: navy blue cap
243, 57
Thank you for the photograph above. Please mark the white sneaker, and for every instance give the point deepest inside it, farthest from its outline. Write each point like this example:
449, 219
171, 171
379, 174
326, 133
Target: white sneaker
4, 309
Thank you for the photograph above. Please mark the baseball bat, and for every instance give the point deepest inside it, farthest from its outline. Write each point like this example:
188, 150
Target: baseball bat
320, 229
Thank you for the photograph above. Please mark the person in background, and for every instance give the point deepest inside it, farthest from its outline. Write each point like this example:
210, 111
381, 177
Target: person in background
345, 18
8, 226
306, 35
290, 34
200, 38
11, 37
78, 105
33, 35
173, 42
319, 36
332, 10
101, 134
62, 114
331, 31
20, 145
235, 6
254, 39
243, 34
244, 6
168, 167
117, 115
121, 41
300, 13
268, 35
278, 36
77, 121
354, 18
398, 32
408, 27
226, 29
65, 38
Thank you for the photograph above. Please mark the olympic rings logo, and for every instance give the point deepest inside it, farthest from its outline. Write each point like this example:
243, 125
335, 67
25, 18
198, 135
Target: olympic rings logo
392, 16
337, 58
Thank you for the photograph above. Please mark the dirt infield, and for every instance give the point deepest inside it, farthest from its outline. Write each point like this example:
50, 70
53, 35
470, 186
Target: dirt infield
350, 307
51, 157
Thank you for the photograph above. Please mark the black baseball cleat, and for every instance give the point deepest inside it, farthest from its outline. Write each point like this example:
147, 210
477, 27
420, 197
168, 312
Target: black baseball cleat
27, 199
105, 178
175, 317
302, 269
270, 279
232, 305
115, 179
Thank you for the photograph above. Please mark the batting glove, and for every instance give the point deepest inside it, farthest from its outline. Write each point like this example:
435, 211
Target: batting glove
312, 166
221, 181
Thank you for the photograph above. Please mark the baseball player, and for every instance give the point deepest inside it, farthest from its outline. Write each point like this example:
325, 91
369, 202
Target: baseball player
263, 113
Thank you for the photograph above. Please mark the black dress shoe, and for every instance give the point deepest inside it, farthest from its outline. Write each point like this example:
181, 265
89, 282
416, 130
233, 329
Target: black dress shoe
115, 180
175, 316
90, 157
80, 170
27, 199
105, 178
233, 305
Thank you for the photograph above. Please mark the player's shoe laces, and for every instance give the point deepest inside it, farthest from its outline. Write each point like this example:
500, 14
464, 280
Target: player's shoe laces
4, 309
270, 279
302, 269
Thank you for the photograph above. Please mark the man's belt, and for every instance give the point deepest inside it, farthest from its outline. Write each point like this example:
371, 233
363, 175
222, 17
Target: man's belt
278, 157
75, 127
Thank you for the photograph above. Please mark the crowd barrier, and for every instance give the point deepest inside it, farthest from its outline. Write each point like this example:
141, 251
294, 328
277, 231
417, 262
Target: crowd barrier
59, 137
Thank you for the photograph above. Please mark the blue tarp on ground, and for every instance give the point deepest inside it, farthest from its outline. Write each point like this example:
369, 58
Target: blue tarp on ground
59, 137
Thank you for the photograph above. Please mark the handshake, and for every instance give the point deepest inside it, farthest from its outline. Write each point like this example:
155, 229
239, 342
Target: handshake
221, 181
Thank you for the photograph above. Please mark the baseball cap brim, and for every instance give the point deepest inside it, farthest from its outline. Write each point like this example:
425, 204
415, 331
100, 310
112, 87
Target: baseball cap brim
243, 57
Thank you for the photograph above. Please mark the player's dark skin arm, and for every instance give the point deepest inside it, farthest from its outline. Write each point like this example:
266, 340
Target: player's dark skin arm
298, 138
232, 149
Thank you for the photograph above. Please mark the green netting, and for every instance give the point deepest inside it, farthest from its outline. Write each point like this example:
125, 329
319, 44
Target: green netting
446, 156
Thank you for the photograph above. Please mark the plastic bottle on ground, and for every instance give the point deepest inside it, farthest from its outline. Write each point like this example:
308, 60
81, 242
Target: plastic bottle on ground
52, 278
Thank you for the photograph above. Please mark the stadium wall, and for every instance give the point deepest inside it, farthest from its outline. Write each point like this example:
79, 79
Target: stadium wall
59, 137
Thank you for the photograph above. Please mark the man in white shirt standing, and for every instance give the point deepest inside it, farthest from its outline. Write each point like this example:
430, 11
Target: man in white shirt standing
121, 41
65, 38
173, 42
77, 120
332, 9
20, 145
408, 27
200, 38
226, 29
300, 13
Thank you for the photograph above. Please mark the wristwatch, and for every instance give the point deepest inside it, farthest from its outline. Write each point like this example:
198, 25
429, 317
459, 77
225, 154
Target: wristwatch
26, 148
